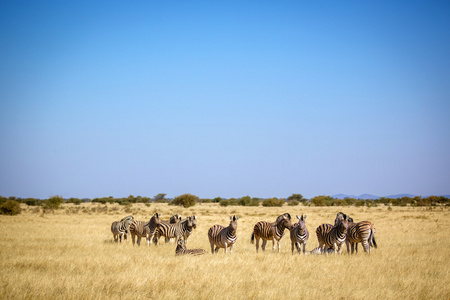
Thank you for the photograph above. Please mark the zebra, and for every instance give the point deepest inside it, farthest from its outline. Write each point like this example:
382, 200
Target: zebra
176, 230
299, 234
181, 249
335, 237
362, 232
143, 229
271, 231
187, 229
223, 237
320, 250
121, 229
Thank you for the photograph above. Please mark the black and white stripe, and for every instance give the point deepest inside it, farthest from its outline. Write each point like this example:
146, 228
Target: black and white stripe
170, 231
145, 229
223, 237
299, 234
271, 231
120, 229
336, 237
362, 232
182, 250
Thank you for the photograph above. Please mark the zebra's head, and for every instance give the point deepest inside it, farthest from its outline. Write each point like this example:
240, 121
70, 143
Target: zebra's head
284, 221
189, 224
301, 223
233, 222
155, 220
342, 223
181, 244
194, 221
339, 217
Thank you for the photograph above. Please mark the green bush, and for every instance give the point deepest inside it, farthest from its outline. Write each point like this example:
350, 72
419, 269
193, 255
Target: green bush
185, 200
248, 201
54, 202
273, 202
10, 207
293, 203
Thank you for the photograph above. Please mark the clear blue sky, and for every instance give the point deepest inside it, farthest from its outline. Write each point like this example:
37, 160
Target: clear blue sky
224, 98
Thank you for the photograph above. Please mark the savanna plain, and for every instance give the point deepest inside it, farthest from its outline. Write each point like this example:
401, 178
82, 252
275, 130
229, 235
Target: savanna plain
70, 254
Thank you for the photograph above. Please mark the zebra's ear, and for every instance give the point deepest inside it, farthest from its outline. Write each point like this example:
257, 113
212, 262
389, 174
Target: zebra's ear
235, 218
298, 217
303, 217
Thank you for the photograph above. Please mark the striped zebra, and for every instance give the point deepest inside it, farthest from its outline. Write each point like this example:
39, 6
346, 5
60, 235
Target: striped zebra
186, 230
321, 231
223, 237
121, 229
181, 249
362, 232
271, 231
299, 234
145, 229
336, 237
177, 230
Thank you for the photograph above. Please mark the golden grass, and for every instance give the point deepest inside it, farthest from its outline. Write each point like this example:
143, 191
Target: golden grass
70, 254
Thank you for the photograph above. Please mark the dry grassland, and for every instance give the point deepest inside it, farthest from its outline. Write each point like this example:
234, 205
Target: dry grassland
70, 254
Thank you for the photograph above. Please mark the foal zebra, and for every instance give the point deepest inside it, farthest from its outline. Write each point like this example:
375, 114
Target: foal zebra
122, 228
145, 229
362, 232
319, 250
222, 237
271, 231
186, 230
181, 249
336, 237
299, 234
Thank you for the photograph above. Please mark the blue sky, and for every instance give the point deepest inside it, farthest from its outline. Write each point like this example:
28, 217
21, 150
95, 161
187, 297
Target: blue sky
225, 99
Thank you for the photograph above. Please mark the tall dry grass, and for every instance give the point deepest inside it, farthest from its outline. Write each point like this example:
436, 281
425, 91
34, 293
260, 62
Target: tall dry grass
70, 254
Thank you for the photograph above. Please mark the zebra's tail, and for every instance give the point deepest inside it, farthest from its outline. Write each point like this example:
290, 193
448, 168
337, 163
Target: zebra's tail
372, 238
253, 237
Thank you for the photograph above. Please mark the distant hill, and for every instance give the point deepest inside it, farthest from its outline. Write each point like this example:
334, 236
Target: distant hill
373, 197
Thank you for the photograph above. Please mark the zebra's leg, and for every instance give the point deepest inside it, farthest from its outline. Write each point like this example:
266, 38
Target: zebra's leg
231, 248
139, 240
132, 238
263, 245
217, 249
115, 238
292, 247
353, 247
365, 246
304, 246
225, 247
278, 246
212, 247
356, 248
257, 244
348, 246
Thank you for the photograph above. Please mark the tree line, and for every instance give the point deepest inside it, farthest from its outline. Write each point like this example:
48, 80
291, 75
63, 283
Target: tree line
11, 205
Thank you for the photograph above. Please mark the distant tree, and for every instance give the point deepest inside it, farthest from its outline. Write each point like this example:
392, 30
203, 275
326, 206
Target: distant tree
75, 201
54, 202
185, 200
217, 200
160, 198
297, 197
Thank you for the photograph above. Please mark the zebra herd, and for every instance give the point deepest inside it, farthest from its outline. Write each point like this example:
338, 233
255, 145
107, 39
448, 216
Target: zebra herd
331, 238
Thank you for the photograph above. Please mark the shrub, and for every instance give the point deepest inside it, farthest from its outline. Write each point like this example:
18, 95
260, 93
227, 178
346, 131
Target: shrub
273, 202
10, 207
54, 202
247, 201
293, 203
185, 200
